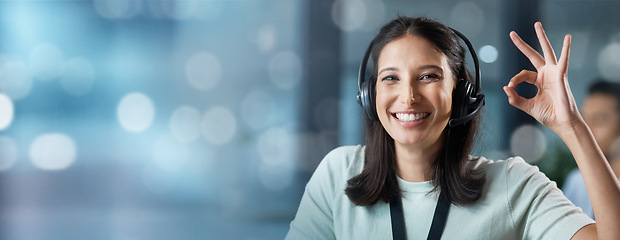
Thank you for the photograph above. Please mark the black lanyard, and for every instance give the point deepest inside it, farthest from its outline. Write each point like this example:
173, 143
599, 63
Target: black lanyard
439, 219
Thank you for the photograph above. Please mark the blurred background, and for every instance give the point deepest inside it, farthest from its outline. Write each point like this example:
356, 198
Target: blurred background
204, 119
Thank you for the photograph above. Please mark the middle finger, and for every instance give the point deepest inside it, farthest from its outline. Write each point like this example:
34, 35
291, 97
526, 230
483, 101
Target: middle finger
544, 43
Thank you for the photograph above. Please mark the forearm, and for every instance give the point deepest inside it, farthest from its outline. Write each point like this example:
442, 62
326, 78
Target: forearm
602, 186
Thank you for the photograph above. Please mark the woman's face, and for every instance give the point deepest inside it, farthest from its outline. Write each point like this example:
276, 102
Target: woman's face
414, 91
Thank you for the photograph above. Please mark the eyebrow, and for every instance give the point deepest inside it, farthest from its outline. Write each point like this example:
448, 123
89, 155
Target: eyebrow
387, 69
420, 68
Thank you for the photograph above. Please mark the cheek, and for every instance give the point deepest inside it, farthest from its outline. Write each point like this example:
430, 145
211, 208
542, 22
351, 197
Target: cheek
382, 97
444, 100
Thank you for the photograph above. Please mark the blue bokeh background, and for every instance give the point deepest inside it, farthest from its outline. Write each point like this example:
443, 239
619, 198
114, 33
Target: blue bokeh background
140, 119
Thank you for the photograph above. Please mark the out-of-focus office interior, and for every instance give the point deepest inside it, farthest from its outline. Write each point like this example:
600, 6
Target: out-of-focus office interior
204, 119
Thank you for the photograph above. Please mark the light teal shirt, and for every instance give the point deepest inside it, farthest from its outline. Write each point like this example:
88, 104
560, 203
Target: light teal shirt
518, 202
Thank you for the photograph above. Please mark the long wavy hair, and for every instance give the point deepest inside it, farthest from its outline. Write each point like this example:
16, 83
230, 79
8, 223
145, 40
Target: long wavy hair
452, 174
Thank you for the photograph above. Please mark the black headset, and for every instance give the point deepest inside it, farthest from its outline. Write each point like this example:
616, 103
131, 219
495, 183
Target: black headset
467, 100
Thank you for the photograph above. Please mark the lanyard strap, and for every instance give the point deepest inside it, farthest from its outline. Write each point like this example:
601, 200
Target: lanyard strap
439, 219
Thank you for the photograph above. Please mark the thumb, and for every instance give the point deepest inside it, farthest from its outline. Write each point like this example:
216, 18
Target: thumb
513, 97
515, 100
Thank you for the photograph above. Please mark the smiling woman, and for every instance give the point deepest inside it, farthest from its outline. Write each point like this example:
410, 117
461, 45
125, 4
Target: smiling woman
418, 85
422, 106
412, 83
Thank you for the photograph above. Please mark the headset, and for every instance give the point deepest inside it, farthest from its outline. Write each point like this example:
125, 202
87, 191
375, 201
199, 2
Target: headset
467, 100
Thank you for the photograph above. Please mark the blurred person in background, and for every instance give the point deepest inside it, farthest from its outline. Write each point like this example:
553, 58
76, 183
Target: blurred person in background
601, 111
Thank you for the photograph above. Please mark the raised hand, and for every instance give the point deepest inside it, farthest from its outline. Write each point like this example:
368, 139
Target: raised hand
554, 105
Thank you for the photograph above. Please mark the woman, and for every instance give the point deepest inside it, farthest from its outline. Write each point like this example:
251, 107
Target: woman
414, 155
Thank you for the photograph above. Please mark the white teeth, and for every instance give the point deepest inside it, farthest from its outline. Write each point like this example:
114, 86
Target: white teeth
411, 117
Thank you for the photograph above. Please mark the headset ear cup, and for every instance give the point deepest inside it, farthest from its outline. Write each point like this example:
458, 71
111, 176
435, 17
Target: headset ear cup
365, 98
461, 99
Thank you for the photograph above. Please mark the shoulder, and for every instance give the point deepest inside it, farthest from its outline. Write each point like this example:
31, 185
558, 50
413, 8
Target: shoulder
511, 174
346, 161
339, 165
316, 218
347, 154
510, 165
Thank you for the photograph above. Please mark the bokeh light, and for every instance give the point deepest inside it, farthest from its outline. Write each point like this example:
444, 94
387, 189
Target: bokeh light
15, 79
218, 125
135, 112
257, 109
488, 54
46, 61
349, 15
185, 123
8, 152
529, 142
285, 70
78, 76
265, 37
53, 151
6, 111
203, 70
609, 62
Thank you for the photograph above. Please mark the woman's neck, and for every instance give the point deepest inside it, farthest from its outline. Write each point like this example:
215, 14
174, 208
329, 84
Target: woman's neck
416, 164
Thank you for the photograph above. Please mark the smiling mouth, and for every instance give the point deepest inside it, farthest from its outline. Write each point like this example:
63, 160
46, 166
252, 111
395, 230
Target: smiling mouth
411, 117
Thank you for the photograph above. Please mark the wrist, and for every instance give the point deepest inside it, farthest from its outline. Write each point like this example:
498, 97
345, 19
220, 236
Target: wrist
573, 130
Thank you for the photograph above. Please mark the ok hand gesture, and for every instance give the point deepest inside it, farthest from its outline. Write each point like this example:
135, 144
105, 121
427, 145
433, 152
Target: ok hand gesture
554, 105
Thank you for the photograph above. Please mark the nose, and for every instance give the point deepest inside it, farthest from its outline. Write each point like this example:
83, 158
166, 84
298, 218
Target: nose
410, 95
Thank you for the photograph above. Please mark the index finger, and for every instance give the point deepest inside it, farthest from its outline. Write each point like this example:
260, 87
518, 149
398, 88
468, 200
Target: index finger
534, 57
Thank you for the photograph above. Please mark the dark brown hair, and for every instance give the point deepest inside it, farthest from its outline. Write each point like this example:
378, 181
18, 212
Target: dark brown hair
452, 174
607, 88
